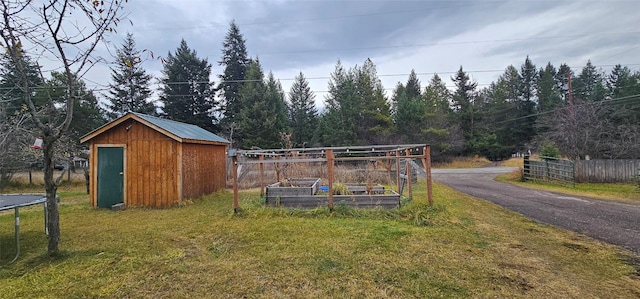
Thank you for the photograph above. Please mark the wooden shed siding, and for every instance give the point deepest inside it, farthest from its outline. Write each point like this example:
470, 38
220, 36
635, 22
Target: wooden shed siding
160, 171
152, 168
203, 169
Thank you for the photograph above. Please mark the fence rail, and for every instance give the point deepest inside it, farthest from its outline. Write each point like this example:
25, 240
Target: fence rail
550, 170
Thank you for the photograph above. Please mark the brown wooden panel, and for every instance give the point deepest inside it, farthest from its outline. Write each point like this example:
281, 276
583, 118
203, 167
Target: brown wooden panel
383, 201
203, 169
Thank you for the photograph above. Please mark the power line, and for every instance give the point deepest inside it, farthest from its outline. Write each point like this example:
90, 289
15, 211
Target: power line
445, 43
625, 98
379, 75
107, 87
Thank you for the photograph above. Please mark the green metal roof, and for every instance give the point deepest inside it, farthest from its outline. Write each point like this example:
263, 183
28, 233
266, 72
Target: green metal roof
182, 130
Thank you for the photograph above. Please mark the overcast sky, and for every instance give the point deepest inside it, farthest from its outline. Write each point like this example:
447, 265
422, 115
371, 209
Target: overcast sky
428, 36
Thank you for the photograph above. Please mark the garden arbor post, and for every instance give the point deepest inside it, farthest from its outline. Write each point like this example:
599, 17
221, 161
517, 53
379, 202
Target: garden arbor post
426, 162
234, 161
408, 171
398, 170
330, 158
261, 165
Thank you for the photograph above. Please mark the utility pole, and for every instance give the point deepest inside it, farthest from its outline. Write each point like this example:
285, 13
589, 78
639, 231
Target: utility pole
570, 96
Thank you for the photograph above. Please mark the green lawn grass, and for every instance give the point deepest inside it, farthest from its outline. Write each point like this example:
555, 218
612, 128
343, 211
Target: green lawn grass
460, 248
621, 192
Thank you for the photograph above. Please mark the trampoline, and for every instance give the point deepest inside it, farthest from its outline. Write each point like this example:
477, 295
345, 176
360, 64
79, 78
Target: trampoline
15, 202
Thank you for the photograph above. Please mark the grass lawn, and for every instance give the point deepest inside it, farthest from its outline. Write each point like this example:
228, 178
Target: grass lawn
621, 192
464, 162
460, 248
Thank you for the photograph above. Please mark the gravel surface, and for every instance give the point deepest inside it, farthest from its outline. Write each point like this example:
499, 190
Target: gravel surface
612, 222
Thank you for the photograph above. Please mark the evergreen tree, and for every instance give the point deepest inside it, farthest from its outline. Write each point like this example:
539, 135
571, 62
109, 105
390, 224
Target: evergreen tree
437, 127
337, 126
621, 82
465, 113
621, 85
130, 89
562, 80
356, 110
523, 129
496, 138
303, 115
409, 109
276, 101
375, 117
87, 114
235, 62
262, 111
529, 77
186, 93
437, 96
413, 88
589, 85
549, 94
11, 91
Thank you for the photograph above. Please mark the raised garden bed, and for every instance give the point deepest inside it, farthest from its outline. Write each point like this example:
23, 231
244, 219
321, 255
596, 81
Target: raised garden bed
293, 187
303, 193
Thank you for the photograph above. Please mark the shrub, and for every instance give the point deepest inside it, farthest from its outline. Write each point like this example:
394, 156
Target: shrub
549, 150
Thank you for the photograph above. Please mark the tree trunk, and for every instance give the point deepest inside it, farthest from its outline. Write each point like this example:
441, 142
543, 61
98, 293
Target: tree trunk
53, 217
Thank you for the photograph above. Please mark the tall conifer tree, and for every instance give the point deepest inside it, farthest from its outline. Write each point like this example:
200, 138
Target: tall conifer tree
263, 113
130, 89
235, 62
186, 93
463, 103
303, 114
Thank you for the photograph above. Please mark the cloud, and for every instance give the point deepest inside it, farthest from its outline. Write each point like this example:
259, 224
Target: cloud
428, 36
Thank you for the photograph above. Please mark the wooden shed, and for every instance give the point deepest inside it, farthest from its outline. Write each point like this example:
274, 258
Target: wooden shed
141, 160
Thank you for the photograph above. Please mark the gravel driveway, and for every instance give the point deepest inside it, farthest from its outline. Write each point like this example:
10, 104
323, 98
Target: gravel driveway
612, 222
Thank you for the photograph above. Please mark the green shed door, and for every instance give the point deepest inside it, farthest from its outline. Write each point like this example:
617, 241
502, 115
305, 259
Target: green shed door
110, 176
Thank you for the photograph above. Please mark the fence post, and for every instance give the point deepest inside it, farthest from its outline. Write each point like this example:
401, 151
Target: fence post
330, 161
547, 172
526, 169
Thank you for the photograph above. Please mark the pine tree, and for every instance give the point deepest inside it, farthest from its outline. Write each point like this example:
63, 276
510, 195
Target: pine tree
463, 103
621, 84
437, 127
375, 118
337, 127
186, 93
11, 93
303, 114
523, 129
356, 110
500, 109
276, 101
409, 108
130, 89
412, 87
529, 84
549, 96
589, 85
262, 111
562, 80
235, 62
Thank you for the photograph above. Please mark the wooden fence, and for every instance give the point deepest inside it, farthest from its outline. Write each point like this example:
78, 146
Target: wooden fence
606, 171
549, 170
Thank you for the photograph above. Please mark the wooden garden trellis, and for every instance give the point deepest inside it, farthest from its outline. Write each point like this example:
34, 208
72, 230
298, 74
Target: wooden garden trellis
332, 154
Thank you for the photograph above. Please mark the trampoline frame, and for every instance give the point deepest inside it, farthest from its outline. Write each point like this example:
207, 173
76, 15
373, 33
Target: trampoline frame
33, 199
